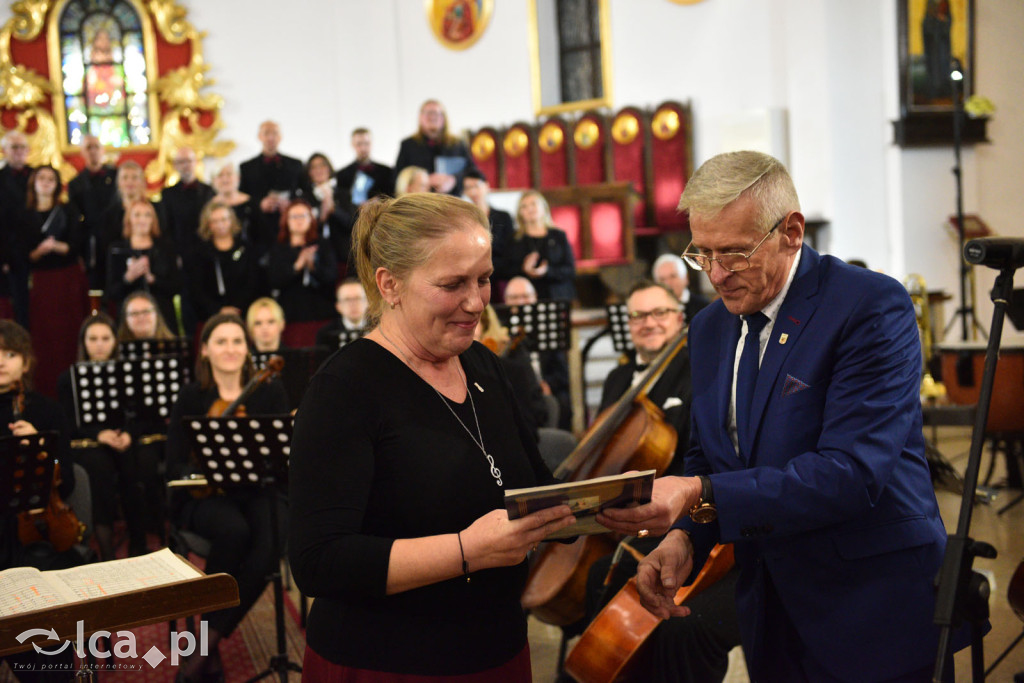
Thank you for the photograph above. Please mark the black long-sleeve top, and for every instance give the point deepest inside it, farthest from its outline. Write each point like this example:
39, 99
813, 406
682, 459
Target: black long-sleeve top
304, 295
163, 264
377, 456
222, 278
559, 282
419, 151
63, 227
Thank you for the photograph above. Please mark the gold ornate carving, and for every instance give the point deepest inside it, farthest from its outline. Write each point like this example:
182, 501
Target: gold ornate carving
625, 128
516, 142
586, 134
174, 135
28, 20
483, 145
170, 21
665, 124
551, 137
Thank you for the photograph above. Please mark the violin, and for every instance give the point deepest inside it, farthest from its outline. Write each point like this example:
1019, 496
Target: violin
57, 522
629, 435
236, 408
504, 350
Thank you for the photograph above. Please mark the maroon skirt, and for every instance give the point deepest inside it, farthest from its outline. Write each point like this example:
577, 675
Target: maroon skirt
58, 303
316, 669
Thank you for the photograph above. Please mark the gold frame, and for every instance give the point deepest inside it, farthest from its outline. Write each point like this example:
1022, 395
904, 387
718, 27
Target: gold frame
486, 10
539, 109
60, 113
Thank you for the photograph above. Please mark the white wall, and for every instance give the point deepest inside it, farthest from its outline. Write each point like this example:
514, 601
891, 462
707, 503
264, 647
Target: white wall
827, 66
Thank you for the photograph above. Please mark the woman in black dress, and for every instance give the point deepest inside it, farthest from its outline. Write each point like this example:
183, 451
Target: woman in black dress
403, 446
224, 275
236, 520
540, 251
142, 260
330, 208
302, 269
59, 295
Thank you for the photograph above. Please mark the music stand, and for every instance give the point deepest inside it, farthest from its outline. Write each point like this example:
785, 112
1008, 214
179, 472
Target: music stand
245, 452
26, 471
547, 324
143, 389
618, 326
1015, 311
347, 336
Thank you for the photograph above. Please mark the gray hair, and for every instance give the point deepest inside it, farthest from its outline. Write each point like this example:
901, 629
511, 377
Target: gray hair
724, 178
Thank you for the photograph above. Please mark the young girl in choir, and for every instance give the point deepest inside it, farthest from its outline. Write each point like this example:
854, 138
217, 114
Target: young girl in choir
143, 261
120, 467
302, 267
235, 520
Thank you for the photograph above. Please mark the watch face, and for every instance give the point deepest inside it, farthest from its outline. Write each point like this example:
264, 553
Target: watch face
704, 513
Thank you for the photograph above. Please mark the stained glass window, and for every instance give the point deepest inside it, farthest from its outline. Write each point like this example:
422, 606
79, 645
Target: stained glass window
103, 64
579, 34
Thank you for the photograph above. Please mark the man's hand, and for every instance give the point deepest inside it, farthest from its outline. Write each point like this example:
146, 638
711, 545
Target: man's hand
660, 574
671, 498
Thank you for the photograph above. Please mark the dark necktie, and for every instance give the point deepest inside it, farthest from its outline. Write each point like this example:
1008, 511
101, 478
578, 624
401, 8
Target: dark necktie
746, 377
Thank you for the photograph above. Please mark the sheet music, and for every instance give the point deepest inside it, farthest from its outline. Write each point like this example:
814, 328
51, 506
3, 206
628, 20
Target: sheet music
24, 589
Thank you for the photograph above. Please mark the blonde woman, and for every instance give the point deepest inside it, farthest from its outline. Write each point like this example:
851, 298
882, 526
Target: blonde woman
540, 251
224, 273
265, 322
412, 179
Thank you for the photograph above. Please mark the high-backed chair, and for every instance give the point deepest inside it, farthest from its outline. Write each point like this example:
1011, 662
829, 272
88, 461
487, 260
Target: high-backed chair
630, 143
590, 149
553, 144
671, 162
486, 151
518, 144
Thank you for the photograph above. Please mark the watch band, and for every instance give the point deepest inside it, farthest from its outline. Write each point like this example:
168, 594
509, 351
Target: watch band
704, 511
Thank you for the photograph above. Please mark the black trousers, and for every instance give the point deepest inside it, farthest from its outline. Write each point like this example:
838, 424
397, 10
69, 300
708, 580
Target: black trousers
134, 477
238, 526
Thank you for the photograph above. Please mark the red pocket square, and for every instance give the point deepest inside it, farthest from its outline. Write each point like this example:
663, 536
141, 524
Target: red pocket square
793, 385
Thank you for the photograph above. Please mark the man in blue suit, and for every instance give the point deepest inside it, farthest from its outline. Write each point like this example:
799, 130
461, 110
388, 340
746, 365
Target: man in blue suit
806, 446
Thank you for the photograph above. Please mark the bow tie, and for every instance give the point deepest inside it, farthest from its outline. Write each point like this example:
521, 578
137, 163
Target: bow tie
272, 159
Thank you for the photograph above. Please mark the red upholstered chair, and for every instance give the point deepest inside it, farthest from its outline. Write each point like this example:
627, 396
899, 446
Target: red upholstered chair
567, 219
671, 161
553, 144
487, 154
518, 145
630, 145
590, 138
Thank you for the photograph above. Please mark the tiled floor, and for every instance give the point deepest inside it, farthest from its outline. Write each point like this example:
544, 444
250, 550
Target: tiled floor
1005, 532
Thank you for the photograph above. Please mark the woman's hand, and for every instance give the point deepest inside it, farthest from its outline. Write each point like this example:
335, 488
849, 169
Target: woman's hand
494, 540
533, 266
22, 428
116, 439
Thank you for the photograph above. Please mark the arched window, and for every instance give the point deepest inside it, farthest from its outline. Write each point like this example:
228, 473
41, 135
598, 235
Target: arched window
103, 67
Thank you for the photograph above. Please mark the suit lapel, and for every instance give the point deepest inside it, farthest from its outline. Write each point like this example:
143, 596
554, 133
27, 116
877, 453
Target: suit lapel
792, 320
727, 359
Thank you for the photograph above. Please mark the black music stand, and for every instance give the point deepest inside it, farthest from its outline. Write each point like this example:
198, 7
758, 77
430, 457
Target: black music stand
547, 324
26, 470
1015, 311
143, 389
618, 326
134, 349
347, 336
247, 452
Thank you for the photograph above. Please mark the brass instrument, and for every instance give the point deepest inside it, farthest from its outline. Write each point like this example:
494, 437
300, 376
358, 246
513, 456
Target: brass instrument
918, 290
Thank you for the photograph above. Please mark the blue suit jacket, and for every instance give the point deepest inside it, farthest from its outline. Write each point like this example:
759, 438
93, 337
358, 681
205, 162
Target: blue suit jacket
835, 505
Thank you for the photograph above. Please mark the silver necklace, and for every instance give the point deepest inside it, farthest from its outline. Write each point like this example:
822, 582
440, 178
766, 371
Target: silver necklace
479, 438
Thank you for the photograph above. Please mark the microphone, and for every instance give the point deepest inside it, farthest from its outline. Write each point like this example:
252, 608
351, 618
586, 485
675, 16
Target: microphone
995, 252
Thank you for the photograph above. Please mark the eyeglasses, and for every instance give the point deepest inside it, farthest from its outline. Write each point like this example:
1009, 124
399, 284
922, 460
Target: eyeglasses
139, 314
659, 315
734, 262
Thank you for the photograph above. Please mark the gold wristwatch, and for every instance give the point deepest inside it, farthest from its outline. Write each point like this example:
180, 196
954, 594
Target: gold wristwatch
704, 511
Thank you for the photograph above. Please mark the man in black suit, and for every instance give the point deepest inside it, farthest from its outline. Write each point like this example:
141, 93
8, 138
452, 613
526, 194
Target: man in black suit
13, 188
183, 203
689, 649
476, 189
270, 179
351, 305
90, 193
364, 178
670, 271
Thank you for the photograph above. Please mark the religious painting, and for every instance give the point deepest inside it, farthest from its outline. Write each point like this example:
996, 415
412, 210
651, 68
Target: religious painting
105, 74
936, 38
458, 24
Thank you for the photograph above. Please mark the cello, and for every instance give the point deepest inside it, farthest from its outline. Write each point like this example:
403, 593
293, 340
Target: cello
629, 435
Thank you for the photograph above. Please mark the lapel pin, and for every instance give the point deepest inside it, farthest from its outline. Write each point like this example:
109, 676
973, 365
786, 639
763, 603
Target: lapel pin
783, 338
478, 387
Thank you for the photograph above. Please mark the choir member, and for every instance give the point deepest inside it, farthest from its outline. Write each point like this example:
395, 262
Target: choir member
434, 148
224, 272
364, 178
302, 269
271, 179
89, 193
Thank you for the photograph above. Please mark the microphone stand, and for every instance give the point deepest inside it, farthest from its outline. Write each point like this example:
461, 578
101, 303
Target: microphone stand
963, 593
966, 310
